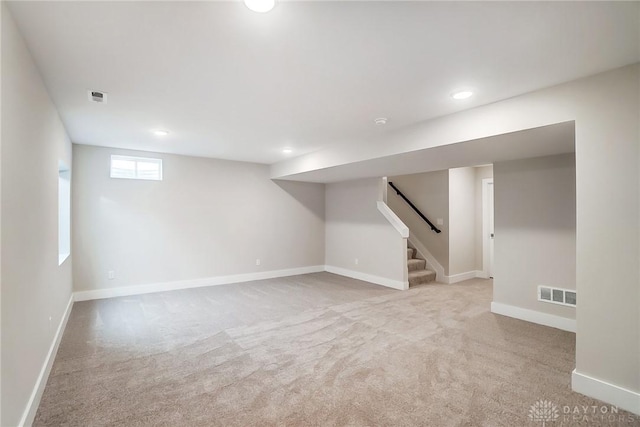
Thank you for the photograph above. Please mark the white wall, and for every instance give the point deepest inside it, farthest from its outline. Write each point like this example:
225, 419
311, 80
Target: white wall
430, 193
462, 220
535, 227
355, 229
605, 109
35, 290
482, 172
1, 18
206, 218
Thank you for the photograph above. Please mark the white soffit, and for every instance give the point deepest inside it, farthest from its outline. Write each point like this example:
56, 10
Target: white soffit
536, 142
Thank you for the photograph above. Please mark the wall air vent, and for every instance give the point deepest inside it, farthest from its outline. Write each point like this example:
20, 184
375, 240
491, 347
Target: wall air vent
557, 295
97, 96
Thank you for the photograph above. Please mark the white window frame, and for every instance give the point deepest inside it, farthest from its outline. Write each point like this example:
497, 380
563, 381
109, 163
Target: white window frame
64, 212
136, 160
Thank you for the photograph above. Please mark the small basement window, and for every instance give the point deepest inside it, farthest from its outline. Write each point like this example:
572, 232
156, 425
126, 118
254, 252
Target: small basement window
136, 168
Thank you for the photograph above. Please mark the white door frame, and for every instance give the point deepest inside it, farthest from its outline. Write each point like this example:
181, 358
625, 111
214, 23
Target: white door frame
485, 226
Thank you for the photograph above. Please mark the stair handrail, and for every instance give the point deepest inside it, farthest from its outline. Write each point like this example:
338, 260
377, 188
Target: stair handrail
433, 227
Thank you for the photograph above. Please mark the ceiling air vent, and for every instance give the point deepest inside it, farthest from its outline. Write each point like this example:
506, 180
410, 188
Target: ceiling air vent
97, 96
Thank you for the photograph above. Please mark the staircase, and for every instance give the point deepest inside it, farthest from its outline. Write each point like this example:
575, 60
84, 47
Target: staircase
418, 274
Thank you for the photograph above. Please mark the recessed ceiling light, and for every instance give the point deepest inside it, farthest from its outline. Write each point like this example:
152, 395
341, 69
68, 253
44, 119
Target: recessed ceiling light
380, 121
287, 150
463, 94
260, 6
160, 132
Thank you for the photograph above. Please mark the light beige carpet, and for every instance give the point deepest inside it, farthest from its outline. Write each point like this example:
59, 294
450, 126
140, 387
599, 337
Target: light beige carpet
313, 350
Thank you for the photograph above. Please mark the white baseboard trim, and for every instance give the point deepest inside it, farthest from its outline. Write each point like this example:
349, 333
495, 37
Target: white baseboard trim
390, 283
533, 316
196, 283
602, 390
455, 278
34, 400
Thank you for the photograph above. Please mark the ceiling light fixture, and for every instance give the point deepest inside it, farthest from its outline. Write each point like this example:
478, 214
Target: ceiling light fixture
260, 6
380, 121
160, 132
463, 94
287, 150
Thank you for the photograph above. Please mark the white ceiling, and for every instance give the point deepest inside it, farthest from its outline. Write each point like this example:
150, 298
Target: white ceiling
230, 83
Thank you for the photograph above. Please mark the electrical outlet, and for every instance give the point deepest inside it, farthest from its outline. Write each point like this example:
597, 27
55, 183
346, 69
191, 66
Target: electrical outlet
439, 221
357, 261
111, 274
258, 261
